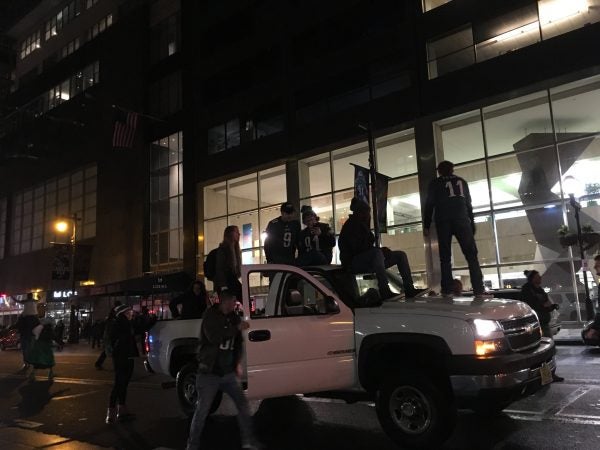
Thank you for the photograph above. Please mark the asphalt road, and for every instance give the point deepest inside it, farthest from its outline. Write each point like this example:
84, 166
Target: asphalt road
561, 416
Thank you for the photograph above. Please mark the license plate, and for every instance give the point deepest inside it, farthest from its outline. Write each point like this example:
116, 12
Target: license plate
546, 374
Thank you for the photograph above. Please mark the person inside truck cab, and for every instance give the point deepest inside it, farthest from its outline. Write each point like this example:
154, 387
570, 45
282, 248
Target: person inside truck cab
193, 302
359, 254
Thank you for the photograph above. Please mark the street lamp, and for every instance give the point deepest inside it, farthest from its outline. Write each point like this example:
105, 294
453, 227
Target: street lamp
572, 186
62, 225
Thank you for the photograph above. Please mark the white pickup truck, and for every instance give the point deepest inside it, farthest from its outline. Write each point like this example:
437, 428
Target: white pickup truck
323, 332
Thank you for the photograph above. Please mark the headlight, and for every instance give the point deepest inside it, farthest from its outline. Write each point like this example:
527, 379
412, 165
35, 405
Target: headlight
485, 328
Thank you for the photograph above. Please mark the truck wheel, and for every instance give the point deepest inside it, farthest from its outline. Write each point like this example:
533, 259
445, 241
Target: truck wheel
186, 390
414, 412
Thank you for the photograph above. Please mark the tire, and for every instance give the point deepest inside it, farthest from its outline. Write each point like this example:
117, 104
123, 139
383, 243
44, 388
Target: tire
415, 411
186, 390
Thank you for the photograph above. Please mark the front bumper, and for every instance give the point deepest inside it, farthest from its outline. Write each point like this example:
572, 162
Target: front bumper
504, 378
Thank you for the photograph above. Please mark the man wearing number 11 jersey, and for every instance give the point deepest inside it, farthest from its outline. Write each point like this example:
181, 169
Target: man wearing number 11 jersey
449, 197
282, 236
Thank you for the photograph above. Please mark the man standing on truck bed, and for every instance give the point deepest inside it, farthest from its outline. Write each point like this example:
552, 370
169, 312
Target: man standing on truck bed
282, 236
219, 368
449, 196
359, 255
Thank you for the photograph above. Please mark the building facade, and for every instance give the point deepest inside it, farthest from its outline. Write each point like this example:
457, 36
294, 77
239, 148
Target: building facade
244, 105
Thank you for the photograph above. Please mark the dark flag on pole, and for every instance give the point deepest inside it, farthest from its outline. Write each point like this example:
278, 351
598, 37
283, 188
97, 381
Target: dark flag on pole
361, 190
124, 128
61, 263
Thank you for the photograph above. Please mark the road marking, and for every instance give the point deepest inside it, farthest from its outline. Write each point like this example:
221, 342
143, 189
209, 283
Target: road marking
571, 398
66, 397
83, 381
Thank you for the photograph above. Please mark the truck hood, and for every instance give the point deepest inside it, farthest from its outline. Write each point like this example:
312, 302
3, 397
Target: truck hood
458, 307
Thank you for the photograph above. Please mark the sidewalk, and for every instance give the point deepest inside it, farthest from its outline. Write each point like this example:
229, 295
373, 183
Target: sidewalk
17, 438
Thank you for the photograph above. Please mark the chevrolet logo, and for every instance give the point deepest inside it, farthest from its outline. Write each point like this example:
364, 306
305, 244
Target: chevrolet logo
529, 328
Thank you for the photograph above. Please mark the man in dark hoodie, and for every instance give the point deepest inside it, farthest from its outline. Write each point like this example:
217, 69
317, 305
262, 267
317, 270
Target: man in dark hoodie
449, 197
359, 254
219, 368
193, 302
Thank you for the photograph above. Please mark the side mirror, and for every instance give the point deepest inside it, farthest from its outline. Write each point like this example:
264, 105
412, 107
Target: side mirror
331, 306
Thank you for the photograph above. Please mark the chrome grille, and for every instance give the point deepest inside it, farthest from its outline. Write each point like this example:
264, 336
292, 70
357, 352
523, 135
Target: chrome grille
522, 333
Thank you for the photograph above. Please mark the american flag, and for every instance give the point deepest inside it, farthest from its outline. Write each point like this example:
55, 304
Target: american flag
124, 131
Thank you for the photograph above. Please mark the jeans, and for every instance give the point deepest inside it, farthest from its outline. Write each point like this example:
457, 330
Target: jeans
25, 339
207, 386
312, 258
372, 260
123, 372
462, 229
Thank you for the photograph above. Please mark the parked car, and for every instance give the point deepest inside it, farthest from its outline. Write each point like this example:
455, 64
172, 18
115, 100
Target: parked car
10, 340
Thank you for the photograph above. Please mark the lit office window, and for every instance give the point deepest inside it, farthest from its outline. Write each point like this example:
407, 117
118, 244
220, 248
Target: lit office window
61, 18
100, 27
166, 201
560, 16
30, 44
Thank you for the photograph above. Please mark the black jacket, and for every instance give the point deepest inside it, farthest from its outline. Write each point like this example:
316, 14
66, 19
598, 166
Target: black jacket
450, 198
119, 341
192, 306
536, 297
225, 275
280, 244
216, 328
323, 243
355, 238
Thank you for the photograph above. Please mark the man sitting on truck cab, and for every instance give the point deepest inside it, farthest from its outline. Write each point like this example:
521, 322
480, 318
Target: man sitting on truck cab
359, 255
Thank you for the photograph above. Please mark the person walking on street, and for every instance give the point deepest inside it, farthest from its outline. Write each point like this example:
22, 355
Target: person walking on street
26, 322
315, 242
282, 236
228, 267
40, 354
219, 369
535, 296
120, 345
358, 253
193, 302
449, 197
59, 332
111, 316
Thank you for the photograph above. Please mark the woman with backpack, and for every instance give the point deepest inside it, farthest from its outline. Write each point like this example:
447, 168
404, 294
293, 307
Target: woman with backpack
228, 264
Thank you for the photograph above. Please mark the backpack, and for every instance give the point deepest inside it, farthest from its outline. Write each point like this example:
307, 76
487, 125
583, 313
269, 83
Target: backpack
210, 265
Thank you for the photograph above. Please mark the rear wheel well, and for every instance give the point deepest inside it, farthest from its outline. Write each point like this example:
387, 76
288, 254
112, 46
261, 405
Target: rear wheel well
180, 357
387, 358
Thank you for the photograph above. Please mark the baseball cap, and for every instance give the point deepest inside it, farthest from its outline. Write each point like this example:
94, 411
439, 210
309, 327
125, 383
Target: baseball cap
287, 207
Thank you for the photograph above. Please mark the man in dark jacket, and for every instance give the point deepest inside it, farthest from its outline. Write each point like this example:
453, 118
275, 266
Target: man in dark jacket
315, 242
449, 196
219, 368
282, 236
111, 316
120, 344
193, 302
358, 254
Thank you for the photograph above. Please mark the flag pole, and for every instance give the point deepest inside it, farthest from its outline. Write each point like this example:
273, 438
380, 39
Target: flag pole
147, 116
373, 173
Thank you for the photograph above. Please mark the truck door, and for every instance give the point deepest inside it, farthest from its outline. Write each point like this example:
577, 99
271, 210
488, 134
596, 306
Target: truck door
301, 337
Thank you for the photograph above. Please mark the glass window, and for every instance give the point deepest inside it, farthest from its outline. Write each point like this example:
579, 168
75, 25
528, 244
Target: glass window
216, 139
396, 154
315, 175
242, 193
215, 200
476, 175
574, 109
459, 138
343, 170
507, 33
560, 16
249, 228
272, 183
404, 201
518, 125
213, 234
450, 53
431, 4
